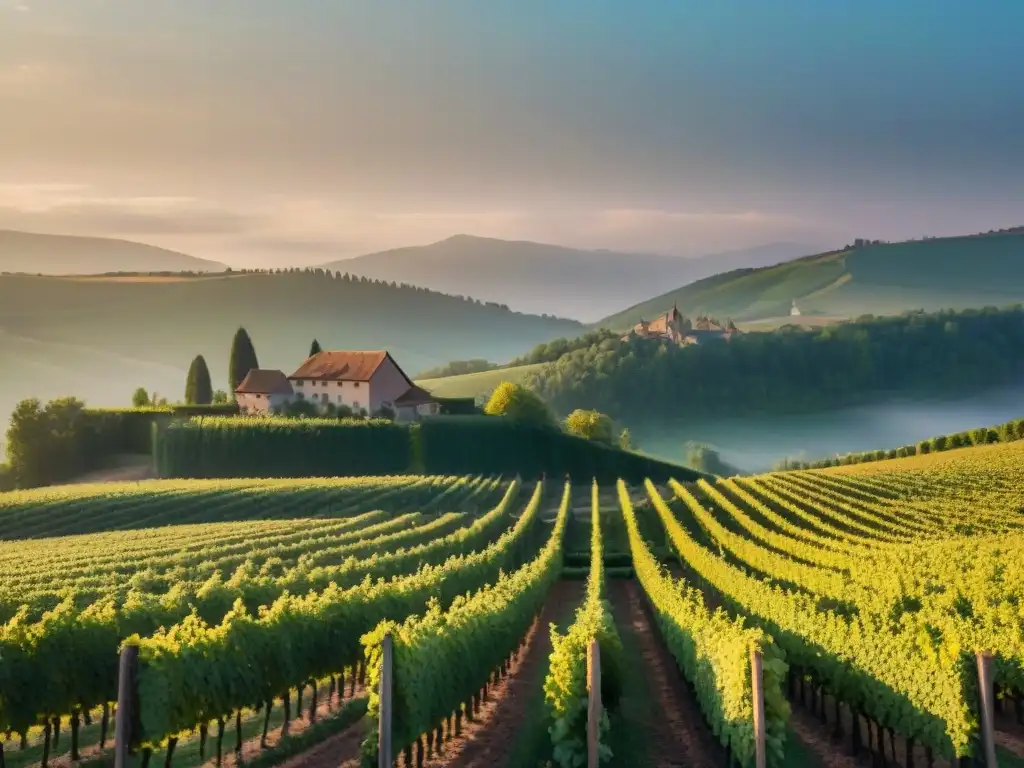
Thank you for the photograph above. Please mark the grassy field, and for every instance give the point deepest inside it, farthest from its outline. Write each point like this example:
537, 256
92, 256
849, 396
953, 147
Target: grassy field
838, 577
477, 384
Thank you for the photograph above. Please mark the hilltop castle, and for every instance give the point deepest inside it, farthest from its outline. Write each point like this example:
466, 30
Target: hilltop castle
673, 326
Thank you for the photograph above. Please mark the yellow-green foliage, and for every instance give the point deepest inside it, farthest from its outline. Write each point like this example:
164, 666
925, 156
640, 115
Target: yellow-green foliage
566, 686
895, 673
443, 657
713, 651
592, 425
514, 401
299, 637
54, 660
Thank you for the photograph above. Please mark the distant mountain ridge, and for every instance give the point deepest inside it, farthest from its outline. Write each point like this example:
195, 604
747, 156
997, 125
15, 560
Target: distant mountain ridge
971, 271
40, 254
540, 278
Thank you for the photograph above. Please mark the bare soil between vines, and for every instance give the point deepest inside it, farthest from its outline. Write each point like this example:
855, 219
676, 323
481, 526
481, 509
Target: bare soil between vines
677, 736
486, 742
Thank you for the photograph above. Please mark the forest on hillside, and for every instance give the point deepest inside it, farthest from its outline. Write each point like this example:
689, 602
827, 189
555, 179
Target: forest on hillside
790, 370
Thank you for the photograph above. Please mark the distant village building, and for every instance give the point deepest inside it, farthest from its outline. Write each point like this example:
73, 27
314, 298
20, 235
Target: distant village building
864, 242
795, 310
674, 327
365, 382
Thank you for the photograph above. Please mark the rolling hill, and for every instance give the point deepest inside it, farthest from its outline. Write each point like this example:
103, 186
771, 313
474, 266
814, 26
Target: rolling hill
549, 279
953, 273
70, 255
477, 385
100, 338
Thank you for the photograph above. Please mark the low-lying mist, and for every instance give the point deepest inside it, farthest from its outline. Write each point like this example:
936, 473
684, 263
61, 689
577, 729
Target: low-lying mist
756, 443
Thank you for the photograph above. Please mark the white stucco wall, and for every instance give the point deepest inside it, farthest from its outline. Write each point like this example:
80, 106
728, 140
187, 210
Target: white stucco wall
387, 385
354, 394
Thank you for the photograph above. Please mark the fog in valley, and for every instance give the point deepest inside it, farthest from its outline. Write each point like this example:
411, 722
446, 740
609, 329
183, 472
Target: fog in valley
757, 443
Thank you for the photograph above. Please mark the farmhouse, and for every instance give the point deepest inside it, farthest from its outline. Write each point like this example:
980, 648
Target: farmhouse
365, 382
673, 326
263, 391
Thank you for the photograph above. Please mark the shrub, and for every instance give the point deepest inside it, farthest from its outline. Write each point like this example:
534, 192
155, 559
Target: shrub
516, 402
592, 425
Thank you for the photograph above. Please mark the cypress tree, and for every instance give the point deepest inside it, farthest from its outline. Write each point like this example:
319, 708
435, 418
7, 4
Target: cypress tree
243, 358
314, 348
198, 388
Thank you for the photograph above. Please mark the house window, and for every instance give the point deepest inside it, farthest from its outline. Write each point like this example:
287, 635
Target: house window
341, 398
300, 395
298, 383
357, 385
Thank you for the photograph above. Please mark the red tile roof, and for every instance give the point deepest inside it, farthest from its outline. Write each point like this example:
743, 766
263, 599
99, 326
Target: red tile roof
340, 366
265, 382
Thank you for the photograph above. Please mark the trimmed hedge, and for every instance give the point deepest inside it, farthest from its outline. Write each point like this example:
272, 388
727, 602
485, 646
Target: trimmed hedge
279, 447
458, 406
494, 445
1004, 433
450, 445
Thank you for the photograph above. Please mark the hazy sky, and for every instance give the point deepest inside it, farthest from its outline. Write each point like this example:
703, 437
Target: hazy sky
269, 132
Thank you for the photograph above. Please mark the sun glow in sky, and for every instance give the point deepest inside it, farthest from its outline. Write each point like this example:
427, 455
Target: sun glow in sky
263, 132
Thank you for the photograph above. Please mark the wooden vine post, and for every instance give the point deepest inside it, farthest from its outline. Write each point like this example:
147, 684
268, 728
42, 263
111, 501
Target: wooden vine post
757, 686
986, 694
385, 759
593, 704
126, 704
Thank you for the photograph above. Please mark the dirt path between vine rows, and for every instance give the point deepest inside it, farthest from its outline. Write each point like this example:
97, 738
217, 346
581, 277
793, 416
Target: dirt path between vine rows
343, 750
673, 725
487, 741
